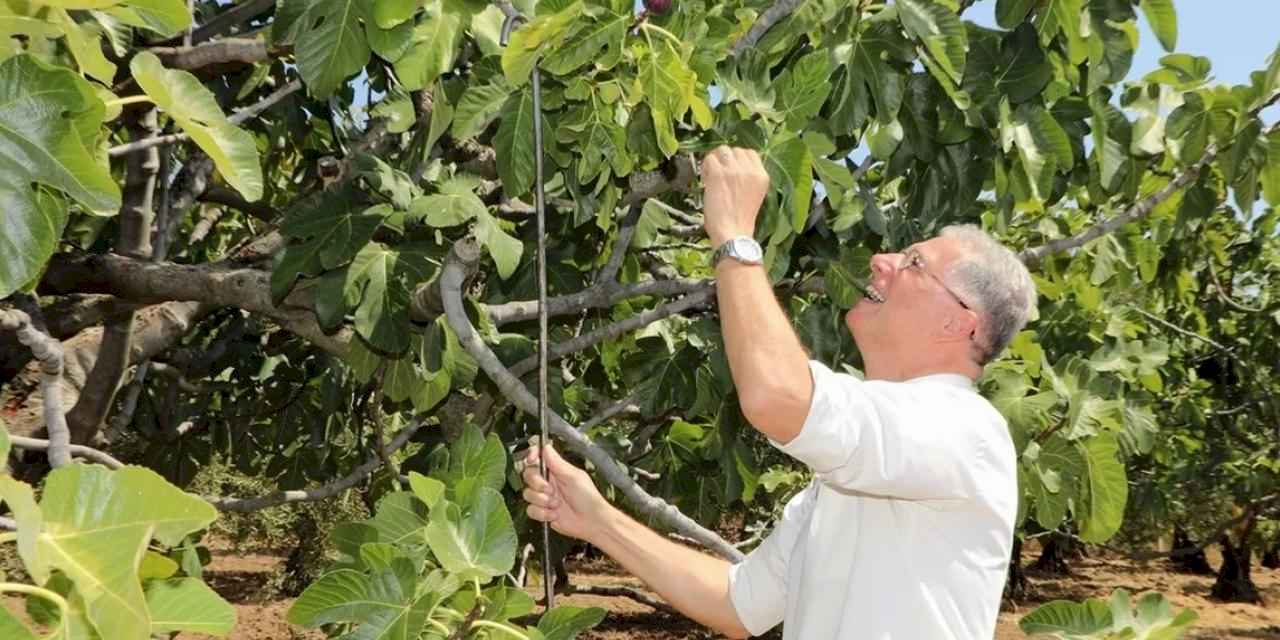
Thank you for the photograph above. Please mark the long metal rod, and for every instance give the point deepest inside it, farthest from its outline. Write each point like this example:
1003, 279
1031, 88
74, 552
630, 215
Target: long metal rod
540, 200
540, 203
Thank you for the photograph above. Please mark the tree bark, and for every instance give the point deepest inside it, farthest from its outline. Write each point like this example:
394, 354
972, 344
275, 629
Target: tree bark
136, 216
1271, 557
144, 281
1193, 562
1015, 585
1235, 579
1053, 557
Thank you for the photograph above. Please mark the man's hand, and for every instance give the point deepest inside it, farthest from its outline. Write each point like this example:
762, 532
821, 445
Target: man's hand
734, 184
568, 499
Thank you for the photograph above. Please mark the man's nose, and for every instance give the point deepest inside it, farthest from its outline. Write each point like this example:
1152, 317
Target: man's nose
885, 264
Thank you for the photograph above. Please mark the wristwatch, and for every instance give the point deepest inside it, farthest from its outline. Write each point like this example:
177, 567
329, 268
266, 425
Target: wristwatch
744, 249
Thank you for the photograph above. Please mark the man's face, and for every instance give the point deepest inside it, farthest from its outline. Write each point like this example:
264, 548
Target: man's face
916, 306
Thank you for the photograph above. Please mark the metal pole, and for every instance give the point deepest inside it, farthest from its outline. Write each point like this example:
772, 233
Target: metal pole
540, 207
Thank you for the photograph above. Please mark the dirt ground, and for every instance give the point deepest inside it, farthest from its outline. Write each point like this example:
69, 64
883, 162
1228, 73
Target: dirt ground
240, 576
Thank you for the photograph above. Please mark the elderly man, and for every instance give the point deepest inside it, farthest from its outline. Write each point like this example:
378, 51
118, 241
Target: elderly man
906, 530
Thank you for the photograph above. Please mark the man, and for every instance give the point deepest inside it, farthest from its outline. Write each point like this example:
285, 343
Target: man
905, 532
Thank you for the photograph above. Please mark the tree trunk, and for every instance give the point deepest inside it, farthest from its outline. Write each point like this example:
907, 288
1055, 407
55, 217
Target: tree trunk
1185, 561
99, 391
1015, 585
1235, 582
1271, 557
1053, 558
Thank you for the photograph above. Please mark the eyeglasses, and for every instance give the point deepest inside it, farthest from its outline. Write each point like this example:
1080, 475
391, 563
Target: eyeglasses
913, 260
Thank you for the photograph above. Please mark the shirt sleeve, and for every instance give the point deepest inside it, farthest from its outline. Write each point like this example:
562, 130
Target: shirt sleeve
903, 441
758, 584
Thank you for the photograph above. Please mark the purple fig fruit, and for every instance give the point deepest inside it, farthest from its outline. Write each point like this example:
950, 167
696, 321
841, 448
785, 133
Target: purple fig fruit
657, 7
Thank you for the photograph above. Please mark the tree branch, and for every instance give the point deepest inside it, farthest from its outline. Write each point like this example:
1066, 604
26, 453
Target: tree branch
1141, 208
143, 281
613, 410
232, 198
1136, 211
49, 352
245, 505
613, 330
80, 451
771, 16
626, 231
1226, 297
225, 21
223, 51
594, 297
464, 257
134, 240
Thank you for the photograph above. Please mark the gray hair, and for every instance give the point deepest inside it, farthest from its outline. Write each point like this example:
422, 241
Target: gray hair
996, 283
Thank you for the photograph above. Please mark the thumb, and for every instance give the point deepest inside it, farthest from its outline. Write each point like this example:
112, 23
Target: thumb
555, 462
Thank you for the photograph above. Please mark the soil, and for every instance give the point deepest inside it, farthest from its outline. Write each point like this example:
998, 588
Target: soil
241, 577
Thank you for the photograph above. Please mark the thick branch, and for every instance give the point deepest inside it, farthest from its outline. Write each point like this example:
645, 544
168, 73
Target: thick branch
463, 257
244, 505
242, 50
80, 451
231, 18
771, 16
142, 281
595, 297
49, 352
613, 330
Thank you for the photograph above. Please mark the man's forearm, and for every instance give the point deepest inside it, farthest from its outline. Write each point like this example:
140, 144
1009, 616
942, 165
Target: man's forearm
693, 582
769, 365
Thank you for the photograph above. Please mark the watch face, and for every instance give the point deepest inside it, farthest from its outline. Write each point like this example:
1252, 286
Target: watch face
748, 250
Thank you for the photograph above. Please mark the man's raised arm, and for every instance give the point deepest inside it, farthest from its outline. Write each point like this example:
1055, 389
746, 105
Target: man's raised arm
769, 365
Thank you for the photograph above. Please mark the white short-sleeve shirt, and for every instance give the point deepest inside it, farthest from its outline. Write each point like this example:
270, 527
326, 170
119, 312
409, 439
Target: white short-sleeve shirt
905, 532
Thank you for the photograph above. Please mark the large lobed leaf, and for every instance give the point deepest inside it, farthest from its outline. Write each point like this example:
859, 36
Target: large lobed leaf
196, 111
474, 539
49, 122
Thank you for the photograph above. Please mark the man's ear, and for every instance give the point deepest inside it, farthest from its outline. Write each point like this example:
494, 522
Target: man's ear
960, 325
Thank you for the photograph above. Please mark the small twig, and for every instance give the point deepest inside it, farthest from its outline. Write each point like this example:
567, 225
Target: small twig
244, 505
80, 451
626, 231
612, 410
237, 118
615, 329
1227, 299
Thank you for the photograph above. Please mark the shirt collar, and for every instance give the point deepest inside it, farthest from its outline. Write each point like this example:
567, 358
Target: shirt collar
952, 379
